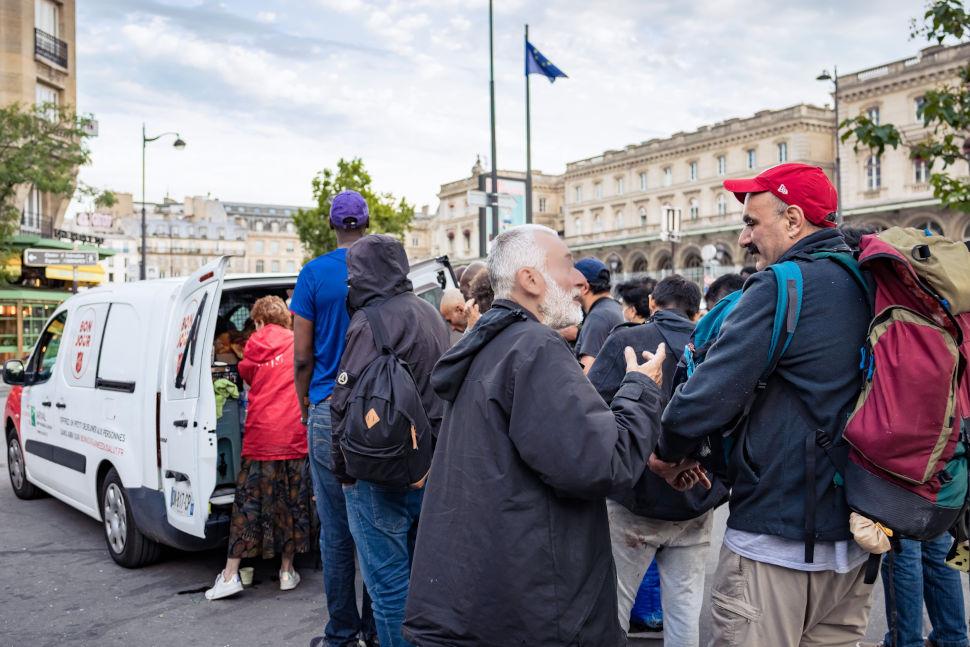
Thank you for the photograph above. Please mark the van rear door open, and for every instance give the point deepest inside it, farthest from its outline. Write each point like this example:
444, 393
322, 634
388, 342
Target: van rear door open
187, 415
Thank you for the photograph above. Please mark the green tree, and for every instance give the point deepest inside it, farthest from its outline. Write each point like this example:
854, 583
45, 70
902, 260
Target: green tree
40, 146
945, 111
388, 215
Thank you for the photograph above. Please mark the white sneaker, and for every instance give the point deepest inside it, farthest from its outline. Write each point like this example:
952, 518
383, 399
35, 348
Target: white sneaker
289, 580
223, 589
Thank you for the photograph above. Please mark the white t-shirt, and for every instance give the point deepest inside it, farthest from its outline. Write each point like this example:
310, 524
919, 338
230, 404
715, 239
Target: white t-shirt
838, 556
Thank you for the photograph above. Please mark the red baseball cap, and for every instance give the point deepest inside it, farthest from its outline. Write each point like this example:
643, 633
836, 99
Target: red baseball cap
801, 185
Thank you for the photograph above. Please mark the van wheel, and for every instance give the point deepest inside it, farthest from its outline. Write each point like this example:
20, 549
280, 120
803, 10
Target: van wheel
23, 488
127, 545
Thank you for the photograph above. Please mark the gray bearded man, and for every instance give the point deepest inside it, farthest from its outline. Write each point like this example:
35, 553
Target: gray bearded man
514, 542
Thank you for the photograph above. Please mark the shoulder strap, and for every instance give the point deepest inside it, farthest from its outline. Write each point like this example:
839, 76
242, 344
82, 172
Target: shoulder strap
377, 329
788, 307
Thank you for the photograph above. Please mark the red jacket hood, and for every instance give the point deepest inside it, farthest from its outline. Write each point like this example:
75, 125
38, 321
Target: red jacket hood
268, 342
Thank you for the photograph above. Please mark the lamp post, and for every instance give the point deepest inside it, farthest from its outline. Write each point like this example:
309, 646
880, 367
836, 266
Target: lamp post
834, 78
179, 144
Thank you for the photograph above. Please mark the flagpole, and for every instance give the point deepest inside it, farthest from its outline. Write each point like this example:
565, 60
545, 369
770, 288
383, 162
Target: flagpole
528, 140
491, 89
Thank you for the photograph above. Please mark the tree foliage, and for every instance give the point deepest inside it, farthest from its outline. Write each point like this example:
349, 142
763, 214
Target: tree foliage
945, 113
388, 215
40, 146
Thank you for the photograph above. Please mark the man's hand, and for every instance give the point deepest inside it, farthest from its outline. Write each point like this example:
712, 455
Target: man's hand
472, 313
680, 476
652, 368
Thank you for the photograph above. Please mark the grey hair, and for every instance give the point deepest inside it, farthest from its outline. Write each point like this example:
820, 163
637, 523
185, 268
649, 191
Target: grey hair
511, 251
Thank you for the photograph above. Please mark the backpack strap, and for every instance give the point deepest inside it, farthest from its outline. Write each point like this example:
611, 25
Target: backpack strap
788, 307
377, 329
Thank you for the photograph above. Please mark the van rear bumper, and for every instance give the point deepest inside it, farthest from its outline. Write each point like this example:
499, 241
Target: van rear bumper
148, 509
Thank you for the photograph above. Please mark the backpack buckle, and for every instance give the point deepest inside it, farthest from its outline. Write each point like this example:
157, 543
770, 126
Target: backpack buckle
921, 252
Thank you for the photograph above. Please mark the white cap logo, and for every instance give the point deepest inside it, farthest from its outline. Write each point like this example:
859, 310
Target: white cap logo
782, 190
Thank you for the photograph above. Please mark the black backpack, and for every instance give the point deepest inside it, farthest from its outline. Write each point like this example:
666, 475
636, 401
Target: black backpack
387, 437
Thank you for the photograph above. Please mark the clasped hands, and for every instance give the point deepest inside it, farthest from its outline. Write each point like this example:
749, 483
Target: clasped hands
682, 475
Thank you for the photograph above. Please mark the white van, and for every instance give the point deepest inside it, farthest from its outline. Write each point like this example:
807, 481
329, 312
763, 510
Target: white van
114, 412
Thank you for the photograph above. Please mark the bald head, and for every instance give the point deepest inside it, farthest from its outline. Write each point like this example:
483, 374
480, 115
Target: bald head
453, 309
470, 274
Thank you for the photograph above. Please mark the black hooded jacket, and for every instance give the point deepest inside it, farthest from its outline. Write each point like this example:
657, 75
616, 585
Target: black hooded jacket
820, 368
377, 274
652, 497
514, 543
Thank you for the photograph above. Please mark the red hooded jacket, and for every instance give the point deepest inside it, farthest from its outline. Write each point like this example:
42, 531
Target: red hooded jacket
273, 428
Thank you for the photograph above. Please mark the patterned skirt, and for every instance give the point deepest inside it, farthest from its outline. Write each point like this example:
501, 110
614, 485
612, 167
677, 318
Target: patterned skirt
271, 513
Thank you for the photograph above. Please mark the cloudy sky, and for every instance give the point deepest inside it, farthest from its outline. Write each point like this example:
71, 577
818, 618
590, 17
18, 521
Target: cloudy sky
267, 93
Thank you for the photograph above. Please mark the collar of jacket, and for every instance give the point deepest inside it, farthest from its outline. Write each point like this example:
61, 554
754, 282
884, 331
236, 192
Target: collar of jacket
829, 240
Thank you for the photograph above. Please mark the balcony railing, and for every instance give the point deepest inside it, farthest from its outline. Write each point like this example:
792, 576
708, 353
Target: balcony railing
50, 48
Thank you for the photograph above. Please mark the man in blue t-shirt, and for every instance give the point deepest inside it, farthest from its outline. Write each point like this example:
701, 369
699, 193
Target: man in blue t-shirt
320, 322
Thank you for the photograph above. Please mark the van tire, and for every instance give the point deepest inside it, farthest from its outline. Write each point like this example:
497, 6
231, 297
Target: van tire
22, 488
127, 546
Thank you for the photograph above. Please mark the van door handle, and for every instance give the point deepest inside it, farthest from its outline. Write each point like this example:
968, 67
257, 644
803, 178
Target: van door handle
181, 423
178, 476
45, 403
60, 405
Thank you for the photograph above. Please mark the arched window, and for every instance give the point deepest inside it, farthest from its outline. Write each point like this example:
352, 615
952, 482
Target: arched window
930, 225
873, 173
274, 227
721, 204
259, 225
694, 268
640, 264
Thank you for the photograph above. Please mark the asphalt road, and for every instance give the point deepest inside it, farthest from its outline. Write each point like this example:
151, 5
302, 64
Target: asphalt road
59, 586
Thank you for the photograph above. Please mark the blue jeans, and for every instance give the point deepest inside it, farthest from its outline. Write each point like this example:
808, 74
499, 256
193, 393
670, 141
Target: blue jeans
336, 542
919, 574
384, 522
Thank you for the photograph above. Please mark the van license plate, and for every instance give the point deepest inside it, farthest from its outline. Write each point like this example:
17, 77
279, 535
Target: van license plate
181, 500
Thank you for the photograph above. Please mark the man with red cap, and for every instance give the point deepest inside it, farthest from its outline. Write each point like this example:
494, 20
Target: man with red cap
789, 572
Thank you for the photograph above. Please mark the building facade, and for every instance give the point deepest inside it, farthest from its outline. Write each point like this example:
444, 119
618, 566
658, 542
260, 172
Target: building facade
454, 229
38, 66
272, 244
654, 207
894, 189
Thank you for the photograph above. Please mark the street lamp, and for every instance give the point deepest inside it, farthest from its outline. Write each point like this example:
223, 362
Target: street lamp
179, 144
834, 78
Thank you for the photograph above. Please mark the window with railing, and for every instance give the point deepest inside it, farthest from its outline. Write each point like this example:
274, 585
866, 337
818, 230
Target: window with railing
873, 173
921, 171
47, 31
31, 217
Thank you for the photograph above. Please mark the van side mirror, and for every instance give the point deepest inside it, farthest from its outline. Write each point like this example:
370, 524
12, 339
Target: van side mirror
13, 372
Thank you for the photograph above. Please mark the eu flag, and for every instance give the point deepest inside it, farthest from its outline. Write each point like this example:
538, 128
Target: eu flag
536, 63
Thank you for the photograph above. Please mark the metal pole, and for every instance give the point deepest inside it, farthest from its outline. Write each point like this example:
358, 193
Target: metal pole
838, 157
144, 225
528, 140
491, 91
74, 287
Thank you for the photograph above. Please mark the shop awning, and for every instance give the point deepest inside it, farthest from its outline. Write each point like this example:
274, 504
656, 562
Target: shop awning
85, 273
13, 294
20, 241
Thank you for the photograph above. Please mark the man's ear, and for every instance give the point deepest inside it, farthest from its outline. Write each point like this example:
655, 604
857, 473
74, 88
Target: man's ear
796, 220
530, 281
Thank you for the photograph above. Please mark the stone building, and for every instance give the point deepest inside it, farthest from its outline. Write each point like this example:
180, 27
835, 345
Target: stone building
417, 239
38, 66
893, 189
454, 228
621, 205
272, 244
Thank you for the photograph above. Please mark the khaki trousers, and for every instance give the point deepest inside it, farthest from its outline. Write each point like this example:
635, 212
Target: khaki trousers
761, 605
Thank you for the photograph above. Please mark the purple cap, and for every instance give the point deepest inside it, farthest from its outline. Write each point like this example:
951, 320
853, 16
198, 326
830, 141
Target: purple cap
349, 210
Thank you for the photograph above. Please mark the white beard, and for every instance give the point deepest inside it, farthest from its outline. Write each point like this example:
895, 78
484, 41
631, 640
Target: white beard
559, 309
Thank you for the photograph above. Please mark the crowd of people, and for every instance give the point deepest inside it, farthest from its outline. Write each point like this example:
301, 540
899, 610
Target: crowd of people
560, 443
